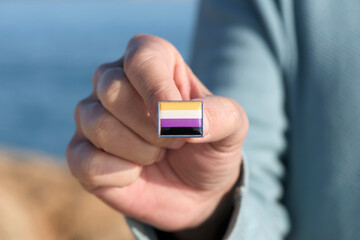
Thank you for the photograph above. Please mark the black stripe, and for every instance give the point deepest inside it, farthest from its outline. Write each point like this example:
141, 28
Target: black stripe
191, 131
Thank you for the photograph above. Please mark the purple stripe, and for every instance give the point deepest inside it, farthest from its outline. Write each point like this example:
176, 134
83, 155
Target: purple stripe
181, 122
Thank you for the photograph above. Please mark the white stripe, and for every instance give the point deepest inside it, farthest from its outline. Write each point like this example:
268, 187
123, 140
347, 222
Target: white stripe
180, 114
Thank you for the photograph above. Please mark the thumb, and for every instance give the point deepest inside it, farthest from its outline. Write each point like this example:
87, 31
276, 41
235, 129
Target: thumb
225, 122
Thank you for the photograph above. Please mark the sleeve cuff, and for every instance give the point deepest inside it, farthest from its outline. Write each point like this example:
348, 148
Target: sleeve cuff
233, 230
140, 230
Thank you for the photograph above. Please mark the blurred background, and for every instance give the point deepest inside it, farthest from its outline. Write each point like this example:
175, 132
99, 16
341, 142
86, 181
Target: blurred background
50, 49
48, 53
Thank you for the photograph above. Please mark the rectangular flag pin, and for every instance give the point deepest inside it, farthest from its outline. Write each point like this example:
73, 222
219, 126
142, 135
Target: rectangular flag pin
180, 119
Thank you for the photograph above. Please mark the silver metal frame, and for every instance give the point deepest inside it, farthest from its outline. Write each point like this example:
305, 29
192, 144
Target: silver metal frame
188, 136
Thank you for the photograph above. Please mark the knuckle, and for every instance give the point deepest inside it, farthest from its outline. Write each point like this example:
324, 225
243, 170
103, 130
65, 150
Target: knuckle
105, 131
98, 72
145, 155
137, 59
136, 39
100, 128
116, 94
100, 69
142, 48
145, 39
70, 157
79, 109
111, 94
90, 168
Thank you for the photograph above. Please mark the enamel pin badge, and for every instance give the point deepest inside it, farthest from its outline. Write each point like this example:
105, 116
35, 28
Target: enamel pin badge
180, 119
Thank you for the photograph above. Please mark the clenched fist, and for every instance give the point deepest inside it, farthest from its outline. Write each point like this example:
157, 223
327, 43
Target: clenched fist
172, 184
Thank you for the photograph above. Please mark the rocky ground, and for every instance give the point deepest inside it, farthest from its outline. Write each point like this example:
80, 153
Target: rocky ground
40, 200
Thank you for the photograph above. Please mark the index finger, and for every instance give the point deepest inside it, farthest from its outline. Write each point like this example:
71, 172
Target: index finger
149, 64
105, 67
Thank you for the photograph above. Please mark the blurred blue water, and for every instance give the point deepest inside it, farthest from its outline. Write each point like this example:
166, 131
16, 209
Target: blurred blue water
48, 52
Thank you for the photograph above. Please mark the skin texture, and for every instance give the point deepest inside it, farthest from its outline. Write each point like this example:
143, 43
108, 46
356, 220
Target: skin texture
177, 185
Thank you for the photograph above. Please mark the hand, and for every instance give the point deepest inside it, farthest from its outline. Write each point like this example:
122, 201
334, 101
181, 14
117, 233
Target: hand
116, 154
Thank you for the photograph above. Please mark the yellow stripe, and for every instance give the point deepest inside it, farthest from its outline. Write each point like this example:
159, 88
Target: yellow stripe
180, 105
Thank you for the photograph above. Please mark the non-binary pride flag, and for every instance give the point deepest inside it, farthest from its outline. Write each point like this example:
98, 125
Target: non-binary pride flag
180, 119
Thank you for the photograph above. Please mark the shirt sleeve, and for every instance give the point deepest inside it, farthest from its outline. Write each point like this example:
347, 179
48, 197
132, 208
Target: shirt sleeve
244, 49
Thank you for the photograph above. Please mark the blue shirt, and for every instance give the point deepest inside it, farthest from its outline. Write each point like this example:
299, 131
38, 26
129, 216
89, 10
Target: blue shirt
295, 68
